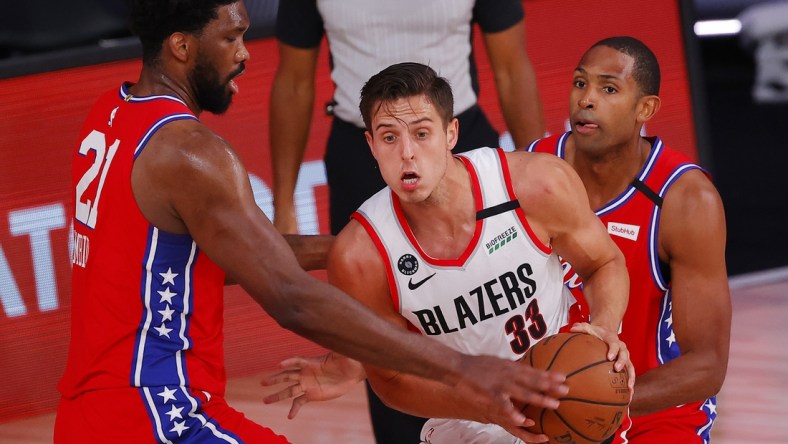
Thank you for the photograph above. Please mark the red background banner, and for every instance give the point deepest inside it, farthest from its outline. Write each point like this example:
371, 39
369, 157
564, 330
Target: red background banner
42, 115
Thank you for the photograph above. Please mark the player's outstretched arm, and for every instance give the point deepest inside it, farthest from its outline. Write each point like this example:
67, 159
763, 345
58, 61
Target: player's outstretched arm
195, 183
692, 241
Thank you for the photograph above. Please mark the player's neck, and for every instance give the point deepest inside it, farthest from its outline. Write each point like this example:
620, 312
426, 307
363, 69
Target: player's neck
608, 173
155, 82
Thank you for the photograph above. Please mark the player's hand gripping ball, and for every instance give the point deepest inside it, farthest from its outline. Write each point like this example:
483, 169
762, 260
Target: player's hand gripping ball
598, 396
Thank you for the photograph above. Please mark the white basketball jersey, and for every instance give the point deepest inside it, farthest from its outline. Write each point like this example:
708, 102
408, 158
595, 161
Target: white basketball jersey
501, 296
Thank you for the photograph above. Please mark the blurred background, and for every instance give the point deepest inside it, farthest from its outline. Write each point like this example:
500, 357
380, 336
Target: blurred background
725, 103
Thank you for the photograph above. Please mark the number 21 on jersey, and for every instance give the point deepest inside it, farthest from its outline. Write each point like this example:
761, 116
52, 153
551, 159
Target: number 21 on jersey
86, 210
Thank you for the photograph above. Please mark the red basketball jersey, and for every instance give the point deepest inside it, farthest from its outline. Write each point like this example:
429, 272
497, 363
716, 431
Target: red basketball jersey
632, 220
147, 305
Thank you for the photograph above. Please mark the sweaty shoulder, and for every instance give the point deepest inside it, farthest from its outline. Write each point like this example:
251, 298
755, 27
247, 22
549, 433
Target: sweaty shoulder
540, 175
183, 162
691, 198
549, 192
692, 186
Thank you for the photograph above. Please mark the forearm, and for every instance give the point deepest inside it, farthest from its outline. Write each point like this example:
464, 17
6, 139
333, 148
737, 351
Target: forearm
688, 378
314, 311
310, 250
607, 294
421, 397
290, 118
521, 106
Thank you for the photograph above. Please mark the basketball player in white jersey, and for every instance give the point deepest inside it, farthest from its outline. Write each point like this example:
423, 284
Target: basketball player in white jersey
465, 249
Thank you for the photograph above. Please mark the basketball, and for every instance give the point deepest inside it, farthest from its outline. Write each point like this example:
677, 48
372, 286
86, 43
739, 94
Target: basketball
598, 395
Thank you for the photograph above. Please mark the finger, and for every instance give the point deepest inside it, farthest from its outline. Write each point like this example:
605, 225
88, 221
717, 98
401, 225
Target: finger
516, 417
535, 381
580, 327
296, 362
278, 378
548, 401
286, 393
631, 370
614, 354
622, 359
297, 404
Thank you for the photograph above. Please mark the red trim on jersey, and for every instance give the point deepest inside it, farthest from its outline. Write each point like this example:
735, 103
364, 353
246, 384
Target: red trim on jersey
507, 177
477, 234
383, 254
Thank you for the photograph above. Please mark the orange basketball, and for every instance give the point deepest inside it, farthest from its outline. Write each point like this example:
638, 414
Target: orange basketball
598, 395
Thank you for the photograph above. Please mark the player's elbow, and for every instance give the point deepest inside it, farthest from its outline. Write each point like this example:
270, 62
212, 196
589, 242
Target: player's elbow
715, 380
713, 376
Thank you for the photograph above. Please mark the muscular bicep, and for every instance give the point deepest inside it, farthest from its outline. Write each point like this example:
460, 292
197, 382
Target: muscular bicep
692, 241
190, 180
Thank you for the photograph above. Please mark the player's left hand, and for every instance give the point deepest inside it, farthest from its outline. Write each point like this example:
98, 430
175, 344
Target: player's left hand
313, 379
616, 349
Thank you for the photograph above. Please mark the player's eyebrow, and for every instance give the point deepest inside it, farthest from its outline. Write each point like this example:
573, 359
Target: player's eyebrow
412, 122
582, 70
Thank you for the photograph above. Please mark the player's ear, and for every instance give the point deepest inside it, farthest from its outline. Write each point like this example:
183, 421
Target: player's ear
368, 136
452, 133
179, 45
648, 106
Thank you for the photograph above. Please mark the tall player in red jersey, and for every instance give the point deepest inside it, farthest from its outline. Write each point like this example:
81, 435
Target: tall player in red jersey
667, 218
163, 209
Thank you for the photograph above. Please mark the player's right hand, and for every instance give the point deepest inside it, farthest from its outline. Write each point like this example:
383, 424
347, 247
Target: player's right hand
494, 385
313, 379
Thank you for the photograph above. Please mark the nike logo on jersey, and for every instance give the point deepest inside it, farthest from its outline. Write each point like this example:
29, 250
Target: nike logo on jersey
623, 230
414, 285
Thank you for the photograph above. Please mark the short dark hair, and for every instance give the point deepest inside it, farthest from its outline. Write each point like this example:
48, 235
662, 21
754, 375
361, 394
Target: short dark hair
646, 72
405, 80
155, 20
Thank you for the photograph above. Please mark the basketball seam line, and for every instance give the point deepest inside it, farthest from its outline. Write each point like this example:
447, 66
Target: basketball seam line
574, 429
582, 369
558, 351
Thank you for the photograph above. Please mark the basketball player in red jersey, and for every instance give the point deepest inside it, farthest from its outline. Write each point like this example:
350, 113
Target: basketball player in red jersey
464, 249
164, 215
667, 218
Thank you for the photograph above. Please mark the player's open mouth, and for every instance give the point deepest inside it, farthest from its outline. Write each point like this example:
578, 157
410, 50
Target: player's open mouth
409, 178
584, 126
231, 83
